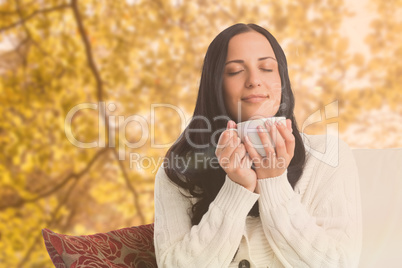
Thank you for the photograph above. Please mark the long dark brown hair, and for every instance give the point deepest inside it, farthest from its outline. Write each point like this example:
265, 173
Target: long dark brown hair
191, 162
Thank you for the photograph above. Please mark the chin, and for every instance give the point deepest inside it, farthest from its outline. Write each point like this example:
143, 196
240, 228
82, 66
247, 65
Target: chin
257, 116
260, 113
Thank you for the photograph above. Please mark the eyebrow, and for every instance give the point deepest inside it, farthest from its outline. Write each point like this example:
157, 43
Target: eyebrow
242, 61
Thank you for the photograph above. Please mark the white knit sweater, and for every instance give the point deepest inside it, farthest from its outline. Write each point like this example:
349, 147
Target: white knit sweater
318, 224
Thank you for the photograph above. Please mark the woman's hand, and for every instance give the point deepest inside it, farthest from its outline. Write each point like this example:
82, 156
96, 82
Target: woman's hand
233, 159
275, 162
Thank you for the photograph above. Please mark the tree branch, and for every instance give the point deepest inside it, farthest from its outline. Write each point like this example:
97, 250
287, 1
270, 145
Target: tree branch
130, 187
92, 65
75, 176
88, 50
28, 32
32, 15
7, 13
47, 224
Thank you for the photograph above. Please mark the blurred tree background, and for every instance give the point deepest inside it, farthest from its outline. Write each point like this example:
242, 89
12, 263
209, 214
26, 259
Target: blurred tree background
125, 56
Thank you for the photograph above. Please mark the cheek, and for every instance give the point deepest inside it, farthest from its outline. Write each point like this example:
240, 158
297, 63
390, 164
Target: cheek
275, 82
228, 98
231, 91
231, 96
277, 93
275, 86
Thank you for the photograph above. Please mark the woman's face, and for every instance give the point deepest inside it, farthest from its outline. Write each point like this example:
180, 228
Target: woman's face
251, 81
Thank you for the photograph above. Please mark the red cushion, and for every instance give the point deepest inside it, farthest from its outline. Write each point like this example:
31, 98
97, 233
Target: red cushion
127, 247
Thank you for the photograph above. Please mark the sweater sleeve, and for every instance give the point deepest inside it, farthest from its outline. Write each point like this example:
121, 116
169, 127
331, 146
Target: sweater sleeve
211, 243
324, 231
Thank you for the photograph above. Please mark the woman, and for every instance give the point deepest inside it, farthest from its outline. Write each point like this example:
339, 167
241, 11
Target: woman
218, 203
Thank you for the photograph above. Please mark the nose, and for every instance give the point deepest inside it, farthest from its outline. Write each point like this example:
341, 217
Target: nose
253, 79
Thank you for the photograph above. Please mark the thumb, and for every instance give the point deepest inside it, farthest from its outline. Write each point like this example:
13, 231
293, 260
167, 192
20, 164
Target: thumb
231, 124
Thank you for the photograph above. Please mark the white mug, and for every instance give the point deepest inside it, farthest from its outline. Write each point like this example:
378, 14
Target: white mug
249, 128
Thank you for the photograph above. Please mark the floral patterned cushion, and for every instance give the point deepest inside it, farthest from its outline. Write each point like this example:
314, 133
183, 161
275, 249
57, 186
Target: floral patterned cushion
123, 248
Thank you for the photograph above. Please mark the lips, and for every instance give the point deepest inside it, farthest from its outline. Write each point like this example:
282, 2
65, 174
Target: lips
255, 98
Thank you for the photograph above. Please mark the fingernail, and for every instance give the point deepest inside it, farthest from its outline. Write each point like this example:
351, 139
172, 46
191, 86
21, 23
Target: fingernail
267, 125
259, 128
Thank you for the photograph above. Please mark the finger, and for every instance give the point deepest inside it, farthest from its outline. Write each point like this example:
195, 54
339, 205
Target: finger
289, 125
226, 153
279, 141
252, 152
246, 161
237, 155
288, 138
232, 130
232, 124
223, 140
225, 137
263, 133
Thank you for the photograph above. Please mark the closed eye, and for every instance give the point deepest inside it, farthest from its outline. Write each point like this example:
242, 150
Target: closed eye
234, 73
266, 70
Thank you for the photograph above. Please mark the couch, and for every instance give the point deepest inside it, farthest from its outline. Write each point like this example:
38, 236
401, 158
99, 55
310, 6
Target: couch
380, 172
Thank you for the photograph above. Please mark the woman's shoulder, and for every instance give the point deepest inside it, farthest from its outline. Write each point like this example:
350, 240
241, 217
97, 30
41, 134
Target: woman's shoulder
161, 173
163, 180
